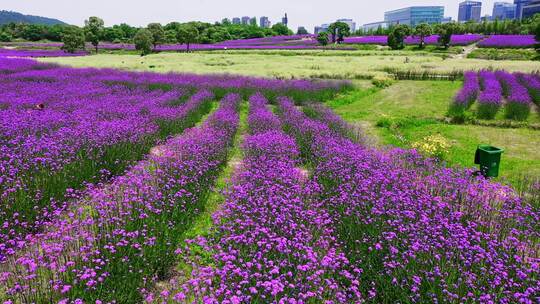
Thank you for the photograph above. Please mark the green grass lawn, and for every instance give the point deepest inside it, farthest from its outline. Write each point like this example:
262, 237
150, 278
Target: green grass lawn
410, 110
288, 64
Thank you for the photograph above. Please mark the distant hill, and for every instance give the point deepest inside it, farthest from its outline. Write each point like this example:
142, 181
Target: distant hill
8, 17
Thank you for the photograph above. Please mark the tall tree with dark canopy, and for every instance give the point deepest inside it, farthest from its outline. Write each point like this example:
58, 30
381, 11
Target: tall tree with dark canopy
422, 31
339, 30
187, 34
73, 39
445, 32
143, 41
93, 30
158, 34
397, 36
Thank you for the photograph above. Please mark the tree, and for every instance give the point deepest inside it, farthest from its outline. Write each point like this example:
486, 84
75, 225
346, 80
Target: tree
281, 29
73, 39
187, 33
536, 30
339, 30
93, 29
397, 36
143, 41
158, 34
322, 38
422, 31
445, 32
32, 32
5, 37
302, 31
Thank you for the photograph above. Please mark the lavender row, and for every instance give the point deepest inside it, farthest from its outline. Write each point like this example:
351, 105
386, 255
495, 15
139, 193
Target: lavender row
508, 41
456, 40
418, 232
121, 237
518, 105
271, 243
490, 88
38, 53
242, 84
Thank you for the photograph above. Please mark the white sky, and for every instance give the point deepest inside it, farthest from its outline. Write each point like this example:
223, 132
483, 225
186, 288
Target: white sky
307, 13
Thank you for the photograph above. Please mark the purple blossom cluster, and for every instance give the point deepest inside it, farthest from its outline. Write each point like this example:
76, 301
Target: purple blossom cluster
518, 90
419, 232
468, 94
518, 105
508, 41
38, 53
456, 40
298, 88
122, 235
532, 83
53, 130
490, 99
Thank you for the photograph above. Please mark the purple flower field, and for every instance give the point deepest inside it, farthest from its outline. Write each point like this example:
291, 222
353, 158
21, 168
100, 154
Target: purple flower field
508, 41
106, 177
32, 53
493, 89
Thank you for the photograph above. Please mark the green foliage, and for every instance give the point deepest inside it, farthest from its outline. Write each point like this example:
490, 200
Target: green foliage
187, 34
422, 31
158, 34
5, 37
143, 41
322, 38
302, 31
33, 32
281, 29
397, 37
93, 29
73, 39
446, 31
339, 30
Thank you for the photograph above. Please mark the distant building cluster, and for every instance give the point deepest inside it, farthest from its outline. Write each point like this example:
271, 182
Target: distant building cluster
468, 11
264, 22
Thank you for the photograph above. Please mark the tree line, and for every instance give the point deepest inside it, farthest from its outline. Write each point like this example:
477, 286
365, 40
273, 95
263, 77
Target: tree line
94, 31
398, 33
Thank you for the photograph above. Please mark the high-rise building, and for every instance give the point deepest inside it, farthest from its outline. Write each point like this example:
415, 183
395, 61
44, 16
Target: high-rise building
446, 20
519, 7
350, 23
470, 10
321, 28
415, 15
264, 22
245, 20
503, 10
285, 20
531, 9
236, 20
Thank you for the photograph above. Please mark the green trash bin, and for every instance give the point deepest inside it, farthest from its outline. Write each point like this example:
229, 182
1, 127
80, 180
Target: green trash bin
489, 159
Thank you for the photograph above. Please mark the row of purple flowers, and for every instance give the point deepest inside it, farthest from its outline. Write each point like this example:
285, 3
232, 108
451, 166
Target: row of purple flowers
118, 237
490, 88
296, 42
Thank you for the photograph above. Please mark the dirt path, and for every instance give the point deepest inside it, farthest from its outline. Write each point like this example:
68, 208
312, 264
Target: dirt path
466, 51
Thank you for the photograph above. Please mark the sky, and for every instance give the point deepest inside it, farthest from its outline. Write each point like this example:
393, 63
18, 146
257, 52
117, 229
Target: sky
306, 13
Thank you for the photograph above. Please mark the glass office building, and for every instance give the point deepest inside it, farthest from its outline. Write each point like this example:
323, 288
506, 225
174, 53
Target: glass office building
519, 7
415, 15
470, 10
531, 9
503, 10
